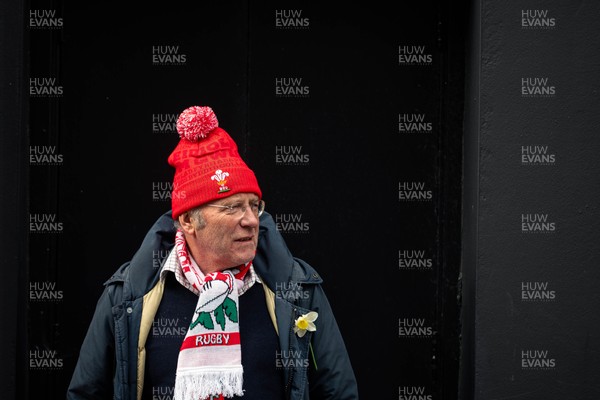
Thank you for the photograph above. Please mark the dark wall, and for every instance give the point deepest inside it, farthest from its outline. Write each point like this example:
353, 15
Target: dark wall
531, 202
13, 198
351, 117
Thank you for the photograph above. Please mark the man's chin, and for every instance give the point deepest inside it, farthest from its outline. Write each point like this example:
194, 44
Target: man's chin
244, 257
248, 259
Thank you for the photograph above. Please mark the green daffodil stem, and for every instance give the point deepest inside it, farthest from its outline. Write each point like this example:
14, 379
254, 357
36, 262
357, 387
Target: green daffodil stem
312, 353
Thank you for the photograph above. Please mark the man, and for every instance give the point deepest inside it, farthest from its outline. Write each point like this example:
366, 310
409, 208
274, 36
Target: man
256, 322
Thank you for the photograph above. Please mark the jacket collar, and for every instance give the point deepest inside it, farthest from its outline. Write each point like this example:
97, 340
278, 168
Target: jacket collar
143, 275
278, 266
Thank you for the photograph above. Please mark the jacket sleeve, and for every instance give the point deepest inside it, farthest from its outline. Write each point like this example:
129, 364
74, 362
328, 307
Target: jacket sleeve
331, 375
94, 371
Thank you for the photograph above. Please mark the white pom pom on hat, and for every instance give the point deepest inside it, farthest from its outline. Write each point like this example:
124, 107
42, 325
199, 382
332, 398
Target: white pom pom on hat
195, 123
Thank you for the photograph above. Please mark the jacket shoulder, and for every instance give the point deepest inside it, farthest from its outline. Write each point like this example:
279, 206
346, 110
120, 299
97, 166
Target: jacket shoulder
302, 271
274, 261
140, 274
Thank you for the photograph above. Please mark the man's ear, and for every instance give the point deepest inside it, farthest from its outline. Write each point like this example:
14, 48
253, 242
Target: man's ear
186, 223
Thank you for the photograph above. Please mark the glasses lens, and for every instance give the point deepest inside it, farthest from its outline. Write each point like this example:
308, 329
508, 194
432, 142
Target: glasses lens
261, 207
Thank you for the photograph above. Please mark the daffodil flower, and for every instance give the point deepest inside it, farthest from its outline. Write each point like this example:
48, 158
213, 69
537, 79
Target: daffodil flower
305, 323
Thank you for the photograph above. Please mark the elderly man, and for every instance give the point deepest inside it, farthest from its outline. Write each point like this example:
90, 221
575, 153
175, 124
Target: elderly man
255, 320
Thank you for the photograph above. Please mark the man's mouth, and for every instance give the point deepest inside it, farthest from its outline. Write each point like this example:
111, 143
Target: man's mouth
244, 239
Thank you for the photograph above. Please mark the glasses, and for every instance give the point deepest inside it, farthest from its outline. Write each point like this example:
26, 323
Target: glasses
239, 209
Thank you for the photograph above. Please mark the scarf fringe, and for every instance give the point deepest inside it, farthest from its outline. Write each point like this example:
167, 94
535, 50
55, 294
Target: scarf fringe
200, 385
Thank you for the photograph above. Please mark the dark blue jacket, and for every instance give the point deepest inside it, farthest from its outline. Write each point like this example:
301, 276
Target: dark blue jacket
108, 361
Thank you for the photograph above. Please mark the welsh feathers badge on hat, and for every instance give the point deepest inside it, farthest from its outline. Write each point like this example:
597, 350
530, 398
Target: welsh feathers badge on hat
207, 163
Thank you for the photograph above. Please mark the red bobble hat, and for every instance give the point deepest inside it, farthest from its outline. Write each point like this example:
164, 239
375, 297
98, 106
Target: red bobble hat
207, 163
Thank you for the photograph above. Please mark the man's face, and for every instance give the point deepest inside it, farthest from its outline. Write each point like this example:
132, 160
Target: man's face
228, 239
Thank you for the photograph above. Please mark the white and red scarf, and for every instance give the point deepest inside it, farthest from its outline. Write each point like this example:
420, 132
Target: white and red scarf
210, 358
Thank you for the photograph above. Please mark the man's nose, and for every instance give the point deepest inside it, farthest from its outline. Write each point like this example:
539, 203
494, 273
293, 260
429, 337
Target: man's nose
249, 218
